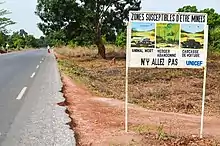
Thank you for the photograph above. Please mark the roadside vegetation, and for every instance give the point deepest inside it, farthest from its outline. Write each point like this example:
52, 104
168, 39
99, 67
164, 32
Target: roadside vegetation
18, 40
90, 47
170, 90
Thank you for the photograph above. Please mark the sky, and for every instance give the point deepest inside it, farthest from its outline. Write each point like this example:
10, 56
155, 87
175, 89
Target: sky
23, 10
140, 26
193, 28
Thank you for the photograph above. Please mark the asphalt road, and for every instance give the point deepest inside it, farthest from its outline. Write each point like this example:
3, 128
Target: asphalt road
29, 93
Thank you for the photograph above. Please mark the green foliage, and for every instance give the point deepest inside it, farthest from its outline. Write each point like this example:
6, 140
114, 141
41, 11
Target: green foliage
56, 38
41, 42
213, 17
17, 40
215, 37
121, 39
188, 8
86, 21
20, 41
59, 15
167, 33
30, 41
104, 39
72, 44
161, 133
3, 39
4, 21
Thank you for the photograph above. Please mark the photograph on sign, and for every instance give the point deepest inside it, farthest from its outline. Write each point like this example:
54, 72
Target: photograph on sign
143, 35
167, 35
192, 36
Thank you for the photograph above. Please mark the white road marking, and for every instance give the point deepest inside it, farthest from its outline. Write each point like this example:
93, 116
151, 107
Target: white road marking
33, 75
21, 93
42, 58
37, 67
40, 61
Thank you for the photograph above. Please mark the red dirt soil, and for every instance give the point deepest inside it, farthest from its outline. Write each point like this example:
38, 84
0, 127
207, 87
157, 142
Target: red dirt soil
100, 121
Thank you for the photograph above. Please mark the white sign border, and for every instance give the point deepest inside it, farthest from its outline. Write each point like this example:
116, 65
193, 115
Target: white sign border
128, 61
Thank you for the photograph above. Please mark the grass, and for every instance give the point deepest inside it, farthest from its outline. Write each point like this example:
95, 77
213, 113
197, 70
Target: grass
165, 45
139, 35
144, 34
172, 90
78, 51
156, 135
141, 129
169, 90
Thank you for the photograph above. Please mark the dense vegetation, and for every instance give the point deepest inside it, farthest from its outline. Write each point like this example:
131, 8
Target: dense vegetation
85, 22
21, 40
18, 40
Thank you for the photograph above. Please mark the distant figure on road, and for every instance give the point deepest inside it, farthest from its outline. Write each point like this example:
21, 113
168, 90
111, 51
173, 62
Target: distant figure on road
48, 49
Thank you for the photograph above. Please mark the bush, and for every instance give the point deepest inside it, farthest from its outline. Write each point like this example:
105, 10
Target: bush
104, 39
72, 44
121, 39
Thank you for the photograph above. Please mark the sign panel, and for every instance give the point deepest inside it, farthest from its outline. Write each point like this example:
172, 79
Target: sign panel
167, 40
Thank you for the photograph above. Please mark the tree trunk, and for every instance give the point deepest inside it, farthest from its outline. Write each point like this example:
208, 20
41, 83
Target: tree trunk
101, 49
99, 42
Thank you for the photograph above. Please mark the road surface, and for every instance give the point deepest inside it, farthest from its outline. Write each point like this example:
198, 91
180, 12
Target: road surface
29, 93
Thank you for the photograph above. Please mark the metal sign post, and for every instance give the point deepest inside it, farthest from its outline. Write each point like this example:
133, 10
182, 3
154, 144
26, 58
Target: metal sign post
126, 78
204, 86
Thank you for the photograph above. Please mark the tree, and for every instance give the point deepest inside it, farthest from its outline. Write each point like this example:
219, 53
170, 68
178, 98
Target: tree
107, 16
16, 41
57, 15
87, 20
3, 39
188, 8
214, 38
4, 21
30, 41
19, 43
41, 42
213, 17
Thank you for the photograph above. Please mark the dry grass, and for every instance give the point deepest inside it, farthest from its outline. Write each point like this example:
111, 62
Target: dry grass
77, 52
90, 51
173, 90
99, 121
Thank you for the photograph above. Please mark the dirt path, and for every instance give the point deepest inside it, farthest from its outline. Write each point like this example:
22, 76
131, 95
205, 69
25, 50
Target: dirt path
174, 122
100, 121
